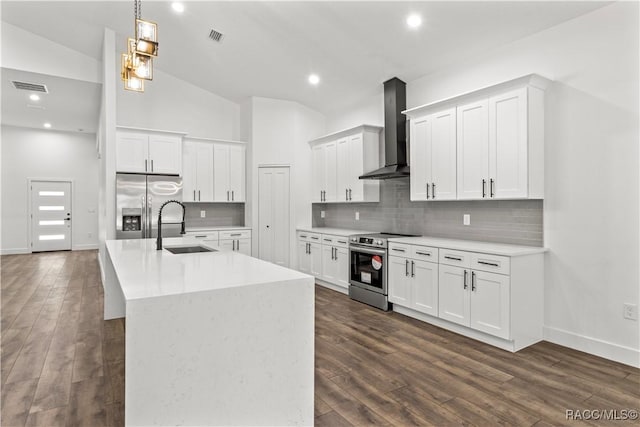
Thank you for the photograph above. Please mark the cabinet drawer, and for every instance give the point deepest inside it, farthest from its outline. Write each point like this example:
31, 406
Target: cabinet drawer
309, 237
491, 263
399, 249
235, 234
424, 253
457, 258
207, 235
337, 241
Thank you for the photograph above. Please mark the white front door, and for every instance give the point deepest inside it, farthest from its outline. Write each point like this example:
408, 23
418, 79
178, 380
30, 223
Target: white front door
50, 216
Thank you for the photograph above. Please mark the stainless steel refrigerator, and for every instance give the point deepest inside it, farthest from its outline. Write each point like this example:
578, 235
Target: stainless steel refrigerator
138, 200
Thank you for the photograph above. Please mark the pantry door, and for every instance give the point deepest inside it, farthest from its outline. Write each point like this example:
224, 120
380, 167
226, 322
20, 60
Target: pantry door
50, 215
273, 215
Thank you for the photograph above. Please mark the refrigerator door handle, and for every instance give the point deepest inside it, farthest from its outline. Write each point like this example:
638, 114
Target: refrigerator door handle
149, 219
143, 220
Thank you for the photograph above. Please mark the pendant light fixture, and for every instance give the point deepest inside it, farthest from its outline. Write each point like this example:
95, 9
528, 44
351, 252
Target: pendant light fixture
137, 63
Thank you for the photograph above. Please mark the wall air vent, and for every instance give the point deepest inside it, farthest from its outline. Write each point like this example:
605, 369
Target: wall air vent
31, 87
216, 36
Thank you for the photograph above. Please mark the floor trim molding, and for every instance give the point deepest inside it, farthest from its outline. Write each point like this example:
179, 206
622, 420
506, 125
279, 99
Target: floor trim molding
15, 251
608, 350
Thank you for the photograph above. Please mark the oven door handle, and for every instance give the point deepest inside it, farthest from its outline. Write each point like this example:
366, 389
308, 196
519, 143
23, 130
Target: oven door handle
367, 250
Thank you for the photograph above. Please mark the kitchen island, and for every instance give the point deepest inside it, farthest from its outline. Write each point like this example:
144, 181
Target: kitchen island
212, 338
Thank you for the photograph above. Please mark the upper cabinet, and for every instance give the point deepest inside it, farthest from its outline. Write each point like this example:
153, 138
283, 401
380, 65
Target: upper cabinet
146, 151
339, 159
214, 170
487, 144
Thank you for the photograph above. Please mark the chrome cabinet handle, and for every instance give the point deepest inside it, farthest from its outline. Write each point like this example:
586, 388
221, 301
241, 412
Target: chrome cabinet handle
397, 249
413, 271
423, 253
427, 191
233, 245
346, 194
227, 195
433, 190
406, 267
327, 240
484, 191
198, 195
151, 165
453, 258
235, 234
492, 264
473, 280
233, 195
336, 254
350, 195
145, 165
194, 195
491, 187
464, 281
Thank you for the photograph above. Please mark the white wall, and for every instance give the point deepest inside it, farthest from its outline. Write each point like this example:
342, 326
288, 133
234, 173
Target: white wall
169, 103
591, 167
31, 153
280, 133
22, 50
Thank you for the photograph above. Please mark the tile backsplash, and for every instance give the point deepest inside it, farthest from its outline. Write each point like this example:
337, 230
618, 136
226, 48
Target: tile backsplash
216, 214
501, 221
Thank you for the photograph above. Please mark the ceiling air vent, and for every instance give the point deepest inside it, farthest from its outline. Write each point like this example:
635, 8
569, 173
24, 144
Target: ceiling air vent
31, 87
216, 36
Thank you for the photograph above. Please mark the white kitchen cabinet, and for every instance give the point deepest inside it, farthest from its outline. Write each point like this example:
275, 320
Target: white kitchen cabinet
414, 284
228, 172
498, 135
304, 259
340, 159
433, 156
310, 253
324, 171
197, 171
476, 299
236, 240
152, 152
335, 264
315, 251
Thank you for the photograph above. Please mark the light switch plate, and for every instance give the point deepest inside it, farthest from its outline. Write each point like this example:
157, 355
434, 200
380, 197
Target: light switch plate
321, 214
203, 214
357, 216
466, 219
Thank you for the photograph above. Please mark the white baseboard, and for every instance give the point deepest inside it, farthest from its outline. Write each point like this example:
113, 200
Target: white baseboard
608, 350
86, 247
103, 277
15, 251
332, 286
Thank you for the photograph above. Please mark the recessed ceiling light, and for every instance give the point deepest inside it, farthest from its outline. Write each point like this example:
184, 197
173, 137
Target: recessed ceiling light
177, 7
414, 20
314, 79
34, 97
47, 125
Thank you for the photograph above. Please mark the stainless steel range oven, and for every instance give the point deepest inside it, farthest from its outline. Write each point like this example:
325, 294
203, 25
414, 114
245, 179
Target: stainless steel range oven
368, 269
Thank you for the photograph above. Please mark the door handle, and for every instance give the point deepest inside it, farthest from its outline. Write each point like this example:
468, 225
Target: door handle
346, 194
427, 191
413, 271
350, 195
473, 281
464, 280
67, 219
433, 190
484, 191
491, 187
406, 267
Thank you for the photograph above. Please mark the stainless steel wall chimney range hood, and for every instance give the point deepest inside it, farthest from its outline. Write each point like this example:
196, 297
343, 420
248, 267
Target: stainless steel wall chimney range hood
395, 133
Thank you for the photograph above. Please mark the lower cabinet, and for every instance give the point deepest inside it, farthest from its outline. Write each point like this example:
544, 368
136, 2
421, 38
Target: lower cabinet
476, 299
324, 256
414, 284
335, 265
236, 240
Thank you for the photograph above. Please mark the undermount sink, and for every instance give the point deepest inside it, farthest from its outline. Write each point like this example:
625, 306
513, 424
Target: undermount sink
188, 249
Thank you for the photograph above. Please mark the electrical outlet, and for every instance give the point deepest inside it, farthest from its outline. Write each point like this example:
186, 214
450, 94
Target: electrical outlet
466, 219
322, 214
357, 216
203, 214
630, 311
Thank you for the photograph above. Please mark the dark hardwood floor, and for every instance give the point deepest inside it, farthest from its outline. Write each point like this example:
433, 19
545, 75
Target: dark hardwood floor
63, 365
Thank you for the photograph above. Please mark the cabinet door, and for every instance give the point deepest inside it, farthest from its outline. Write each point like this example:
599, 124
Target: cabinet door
508, 156
453, 294
221, 190
356, 163
419, 149
204, 163
331, 171
190, 171
318, 171
243, 246
424, 285
236, 173
132, 151
316, 259
165, 154
304, 260
343, 179
490, 303
399, 281
328, 264
473, 150
226, 245
442, 155
342, 267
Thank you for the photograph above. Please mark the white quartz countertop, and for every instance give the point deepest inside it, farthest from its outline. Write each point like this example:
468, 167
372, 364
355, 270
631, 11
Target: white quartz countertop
471, 246
335, 231
144, 272
218, 228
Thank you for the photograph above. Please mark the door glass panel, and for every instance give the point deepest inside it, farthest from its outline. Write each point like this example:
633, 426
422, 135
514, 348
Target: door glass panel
51, 208
51, 193
52, 237
51, 222
367, 269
